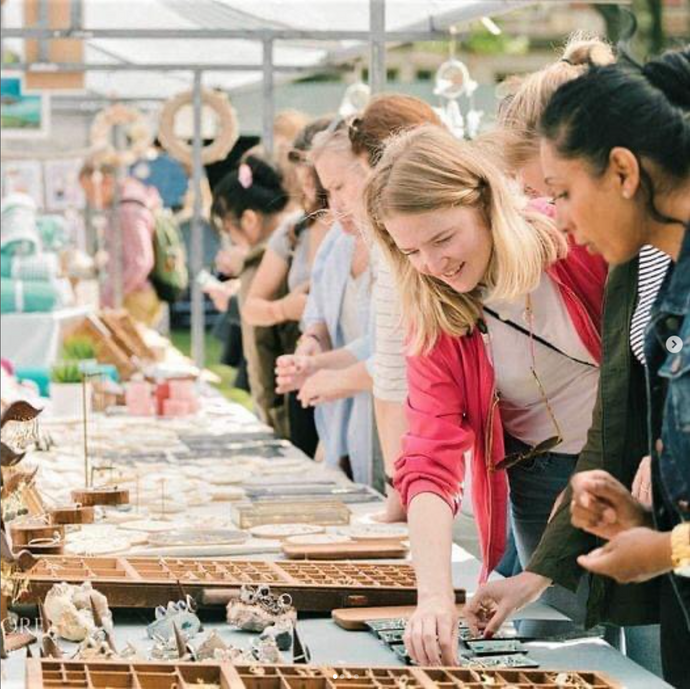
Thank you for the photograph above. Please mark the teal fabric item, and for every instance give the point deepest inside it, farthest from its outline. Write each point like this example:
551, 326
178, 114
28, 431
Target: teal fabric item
40, 376
18, 296
37, 267
52, 231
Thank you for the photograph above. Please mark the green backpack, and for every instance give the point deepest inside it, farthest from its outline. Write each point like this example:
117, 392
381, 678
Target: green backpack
169, 276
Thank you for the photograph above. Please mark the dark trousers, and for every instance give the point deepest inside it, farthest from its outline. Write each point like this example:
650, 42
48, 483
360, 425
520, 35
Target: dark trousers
534, 486
675, 638
302, 429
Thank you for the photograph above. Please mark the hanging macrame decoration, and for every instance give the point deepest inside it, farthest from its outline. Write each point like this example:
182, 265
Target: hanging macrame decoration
355, 99
137, 135
227, 130
453, 81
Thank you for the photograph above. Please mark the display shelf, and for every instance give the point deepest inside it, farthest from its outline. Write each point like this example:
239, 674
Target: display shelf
148, 582
122, 675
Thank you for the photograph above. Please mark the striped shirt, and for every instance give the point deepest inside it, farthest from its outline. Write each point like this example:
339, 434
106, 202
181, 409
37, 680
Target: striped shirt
390, 369
651, 273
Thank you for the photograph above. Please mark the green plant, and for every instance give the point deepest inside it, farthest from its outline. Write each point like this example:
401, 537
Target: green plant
66, 372
78, 349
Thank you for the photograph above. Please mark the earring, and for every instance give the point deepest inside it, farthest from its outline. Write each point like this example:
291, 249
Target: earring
626, 194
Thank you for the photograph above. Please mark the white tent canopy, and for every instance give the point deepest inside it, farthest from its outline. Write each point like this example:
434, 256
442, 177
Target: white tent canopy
142, 17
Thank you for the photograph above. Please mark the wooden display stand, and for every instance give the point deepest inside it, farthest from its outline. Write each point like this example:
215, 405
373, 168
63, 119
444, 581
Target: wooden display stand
126, 335
73, 514
107, 349
355, 619
346, 551
90, 497
69, 674
148, 582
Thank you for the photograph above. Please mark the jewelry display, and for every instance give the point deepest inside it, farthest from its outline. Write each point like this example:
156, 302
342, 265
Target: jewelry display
257, 608
180, 614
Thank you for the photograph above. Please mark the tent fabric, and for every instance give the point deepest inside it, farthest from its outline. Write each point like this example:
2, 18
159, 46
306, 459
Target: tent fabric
336, 15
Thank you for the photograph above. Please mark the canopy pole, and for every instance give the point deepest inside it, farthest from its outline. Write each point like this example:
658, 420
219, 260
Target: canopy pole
43, 23
377, 52
197, 239
76, 14
116, 262
268, 97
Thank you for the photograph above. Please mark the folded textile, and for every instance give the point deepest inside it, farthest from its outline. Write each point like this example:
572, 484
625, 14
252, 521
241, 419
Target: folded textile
19, 296
19, 232
37, 267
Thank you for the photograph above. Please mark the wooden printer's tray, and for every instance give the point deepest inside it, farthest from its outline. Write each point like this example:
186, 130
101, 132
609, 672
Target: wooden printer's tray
45, 673
148, 582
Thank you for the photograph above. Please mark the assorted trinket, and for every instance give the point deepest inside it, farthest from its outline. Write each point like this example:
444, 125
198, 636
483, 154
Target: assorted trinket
181, 614
257, 608
70, 611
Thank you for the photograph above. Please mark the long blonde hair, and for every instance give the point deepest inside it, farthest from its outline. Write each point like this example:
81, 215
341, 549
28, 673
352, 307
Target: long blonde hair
521, 110
428, 169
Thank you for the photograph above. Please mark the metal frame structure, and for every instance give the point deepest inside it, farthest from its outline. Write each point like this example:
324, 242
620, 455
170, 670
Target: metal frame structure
376, 36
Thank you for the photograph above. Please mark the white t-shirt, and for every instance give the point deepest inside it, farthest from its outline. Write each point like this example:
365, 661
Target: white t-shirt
349, 311
570, 386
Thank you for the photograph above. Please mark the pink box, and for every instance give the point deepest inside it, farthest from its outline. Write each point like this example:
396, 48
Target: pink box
182, 390
145, 408
176, 408
139, 389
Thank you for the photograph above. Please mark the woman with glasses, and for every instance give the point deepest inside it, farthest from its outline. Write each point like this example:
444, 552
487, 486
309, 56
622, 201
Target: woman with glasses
278, 293
503, 320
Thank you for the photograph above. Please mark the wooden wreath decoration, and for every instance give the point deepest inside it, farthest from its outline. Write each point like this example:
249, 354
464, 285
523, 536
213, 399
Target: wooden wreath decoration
137, 131
221, 145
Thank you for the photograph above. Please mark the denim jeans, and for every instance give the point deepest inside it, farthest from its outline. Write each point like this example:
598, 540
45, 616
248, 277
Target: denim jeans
534, 486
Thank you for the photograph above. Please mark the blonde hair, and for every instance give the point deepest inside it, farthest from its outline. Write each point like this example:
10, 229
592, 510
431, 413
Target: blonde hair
521, 110
428, 169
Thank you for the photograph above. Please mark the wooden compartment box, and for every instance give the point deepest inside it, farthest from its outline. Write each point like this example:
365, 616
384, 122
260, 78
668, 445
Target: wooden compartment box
148, 582
69, 674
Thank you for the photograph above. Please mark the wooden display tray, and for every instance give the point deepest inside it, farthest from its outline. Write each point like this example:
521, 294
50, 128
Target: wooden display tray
70, 674
355, 619
357, 550
107, 349
148, 582
125, 334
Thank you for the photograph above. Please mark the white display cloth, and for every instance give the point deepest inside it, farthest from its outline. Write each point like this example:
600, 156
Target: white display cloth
33, 339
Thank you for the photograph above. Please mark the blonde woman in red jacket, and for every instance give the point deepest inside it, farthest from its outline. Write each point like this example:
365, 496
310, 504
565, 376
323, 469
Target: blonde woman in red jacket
503, 320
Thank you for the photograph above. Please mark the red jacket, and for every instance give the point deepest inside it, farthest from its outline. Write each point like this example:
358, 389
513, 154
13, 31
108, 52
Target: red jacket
451, 394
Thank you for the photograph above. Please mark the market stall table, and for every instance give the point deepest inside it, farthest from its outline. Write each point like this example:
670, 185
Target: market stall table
328, 643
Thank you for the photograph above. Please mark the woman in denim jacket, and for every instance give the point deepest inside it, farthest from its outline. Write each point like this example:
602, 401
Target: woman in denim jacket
616, 153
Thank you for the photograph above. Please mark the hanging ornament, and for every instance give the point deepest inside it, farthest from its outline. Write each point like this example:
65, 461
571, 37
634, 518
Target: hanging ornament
355, 99
474, 119
452, 79
453, 119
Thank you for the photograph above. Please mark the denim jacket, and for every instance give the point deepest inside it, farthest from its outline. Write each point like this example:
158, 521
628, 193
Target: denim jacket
668, 382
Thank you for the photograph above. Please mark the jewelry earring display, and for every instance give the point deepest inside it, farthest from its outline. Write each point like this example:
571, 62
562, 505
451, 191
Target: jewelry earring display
180, 613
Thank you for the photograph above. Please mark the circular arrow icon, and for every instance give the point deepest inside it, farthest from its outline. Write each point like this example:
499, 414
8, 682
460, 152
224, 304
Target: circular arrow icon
674, 344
